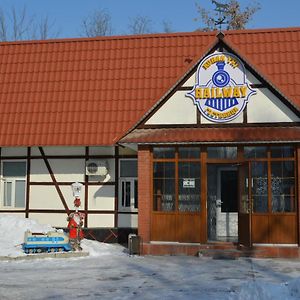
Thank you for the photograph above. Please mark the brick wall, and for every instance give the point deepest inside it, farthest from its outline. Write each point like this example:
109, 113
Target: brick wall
144, 190
298, 190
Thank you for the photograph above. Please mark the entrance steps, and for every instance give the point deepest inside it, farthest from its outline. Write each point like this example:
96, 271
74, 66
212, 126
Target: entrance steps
234, 251
220, 250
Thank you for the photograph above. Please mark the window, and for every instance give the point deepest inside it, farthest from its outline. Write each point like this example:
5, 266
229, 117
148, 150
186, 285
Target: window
13, 184
164, 186
283, 186
273, 178
176, 179
128, 187
255, 152
259, 185
222, 152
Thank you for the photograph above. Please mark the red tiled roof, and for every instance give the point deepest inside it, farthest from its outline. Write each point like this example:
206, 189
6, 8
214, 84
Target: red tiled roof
92, 91
213, 135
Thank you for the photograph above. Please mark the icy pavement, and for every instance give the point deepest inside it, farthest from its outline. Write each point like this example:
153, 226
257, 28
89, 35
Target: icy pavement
110, 273
119, 276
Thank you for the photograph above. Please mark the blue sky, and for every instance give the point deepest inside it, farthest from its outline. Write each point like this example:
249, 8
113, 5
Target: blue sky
68, 14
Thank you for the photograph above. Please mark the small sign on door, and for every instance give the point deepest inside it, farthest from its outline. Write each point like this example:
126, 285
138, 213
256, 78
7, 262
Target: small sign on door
188, 183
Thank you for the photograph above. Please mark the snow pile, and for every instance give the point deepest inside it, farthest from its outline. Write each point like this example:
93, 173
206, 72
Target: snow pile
101, 249
261, 290
13, 227
12, 230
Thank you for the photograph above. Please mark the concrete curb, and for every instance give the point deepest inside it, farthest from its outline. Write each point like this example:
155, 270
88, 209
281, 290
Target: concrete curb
44, 255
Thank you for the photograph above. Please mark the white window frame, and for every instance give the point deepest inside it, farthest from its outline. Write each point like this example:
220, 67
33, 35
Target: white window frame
131, 181
13, 181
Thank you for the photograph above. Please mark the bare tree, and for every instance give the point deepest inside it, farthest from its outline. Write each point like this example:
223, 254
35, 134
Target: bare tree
45, 29
140, 25
97, 24
167, 26
19, 25
228, 13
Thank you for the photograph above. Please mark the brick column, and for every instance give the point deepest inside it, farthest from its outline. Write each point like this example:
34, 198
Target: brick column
144, 193
298, 191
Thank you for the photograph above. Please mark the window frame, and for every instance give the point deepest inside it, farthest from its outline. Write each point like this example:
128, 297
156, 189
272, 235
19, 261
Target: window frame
13, 180
133, 189
269, 159
177, 160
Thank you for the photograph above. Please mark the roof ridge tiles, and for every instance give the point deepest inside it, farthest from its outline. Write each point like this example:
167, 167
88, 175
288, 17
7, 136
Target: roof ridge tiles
148, 36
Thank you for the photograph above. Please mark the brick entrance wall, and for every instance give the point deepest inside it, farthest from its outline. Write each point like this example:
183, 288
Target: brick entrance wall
144, 192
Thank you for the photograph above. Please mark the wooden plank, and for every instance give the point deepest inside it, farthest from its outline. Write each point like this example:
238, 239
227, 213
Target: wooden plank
163, 227
283, 229
188, 228
260, 228
27, 183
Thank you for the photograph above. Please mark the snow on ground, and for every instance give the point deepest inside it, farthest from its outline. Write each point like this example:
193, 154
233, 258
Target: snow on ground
12, 230
110, 273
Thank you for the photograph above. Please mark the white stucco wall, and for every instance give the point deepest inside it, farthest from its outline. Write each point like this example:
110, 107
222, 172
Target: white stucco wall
55, 220
59, 151
13, 151
265, 107
101, 197
103, 220
177, 110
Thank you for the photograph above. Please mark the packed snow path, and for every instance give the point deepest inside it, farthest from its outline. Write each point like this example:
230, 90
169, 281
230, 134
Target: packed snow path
119, 276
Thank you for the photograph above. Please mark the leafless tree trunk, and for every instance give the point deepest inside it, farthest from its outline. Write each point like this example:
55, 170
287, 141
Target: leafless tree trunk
167, 27
97, 24
19, 25
140, 25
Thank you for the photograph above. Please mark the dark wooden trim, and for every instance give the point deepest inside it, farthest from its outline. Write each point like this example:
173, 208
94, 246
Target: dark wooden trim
258, 85
61, 156
27, 197
127, 212
245, 115
199, 116
12, 211
109, 212
60, 211
86, 190
185, 88
61, 196
55, 211
117, 157
69, 183
252, 85
203, 185
69, 156
225, 125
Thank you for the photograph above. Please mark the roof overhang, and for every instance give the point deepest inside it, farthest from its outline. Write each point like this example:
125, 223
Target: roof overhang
268, 134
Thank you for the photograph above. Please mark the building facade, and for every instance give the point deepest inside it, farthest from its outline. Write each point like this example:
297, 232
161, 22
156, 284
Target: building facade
189, 139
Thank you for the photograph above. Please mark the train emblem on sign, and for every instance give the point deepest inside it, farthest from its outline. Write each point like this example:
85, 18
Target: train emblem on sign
222, 91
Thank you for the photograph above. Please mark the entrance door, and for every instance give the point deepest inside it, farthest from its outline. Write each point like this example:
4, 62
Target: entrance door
227, 205
245, 206
222, 202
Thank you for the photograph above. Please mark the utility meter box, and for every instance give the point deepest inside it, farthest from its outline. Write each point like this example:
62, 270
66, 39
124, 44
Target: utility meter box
134, 244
